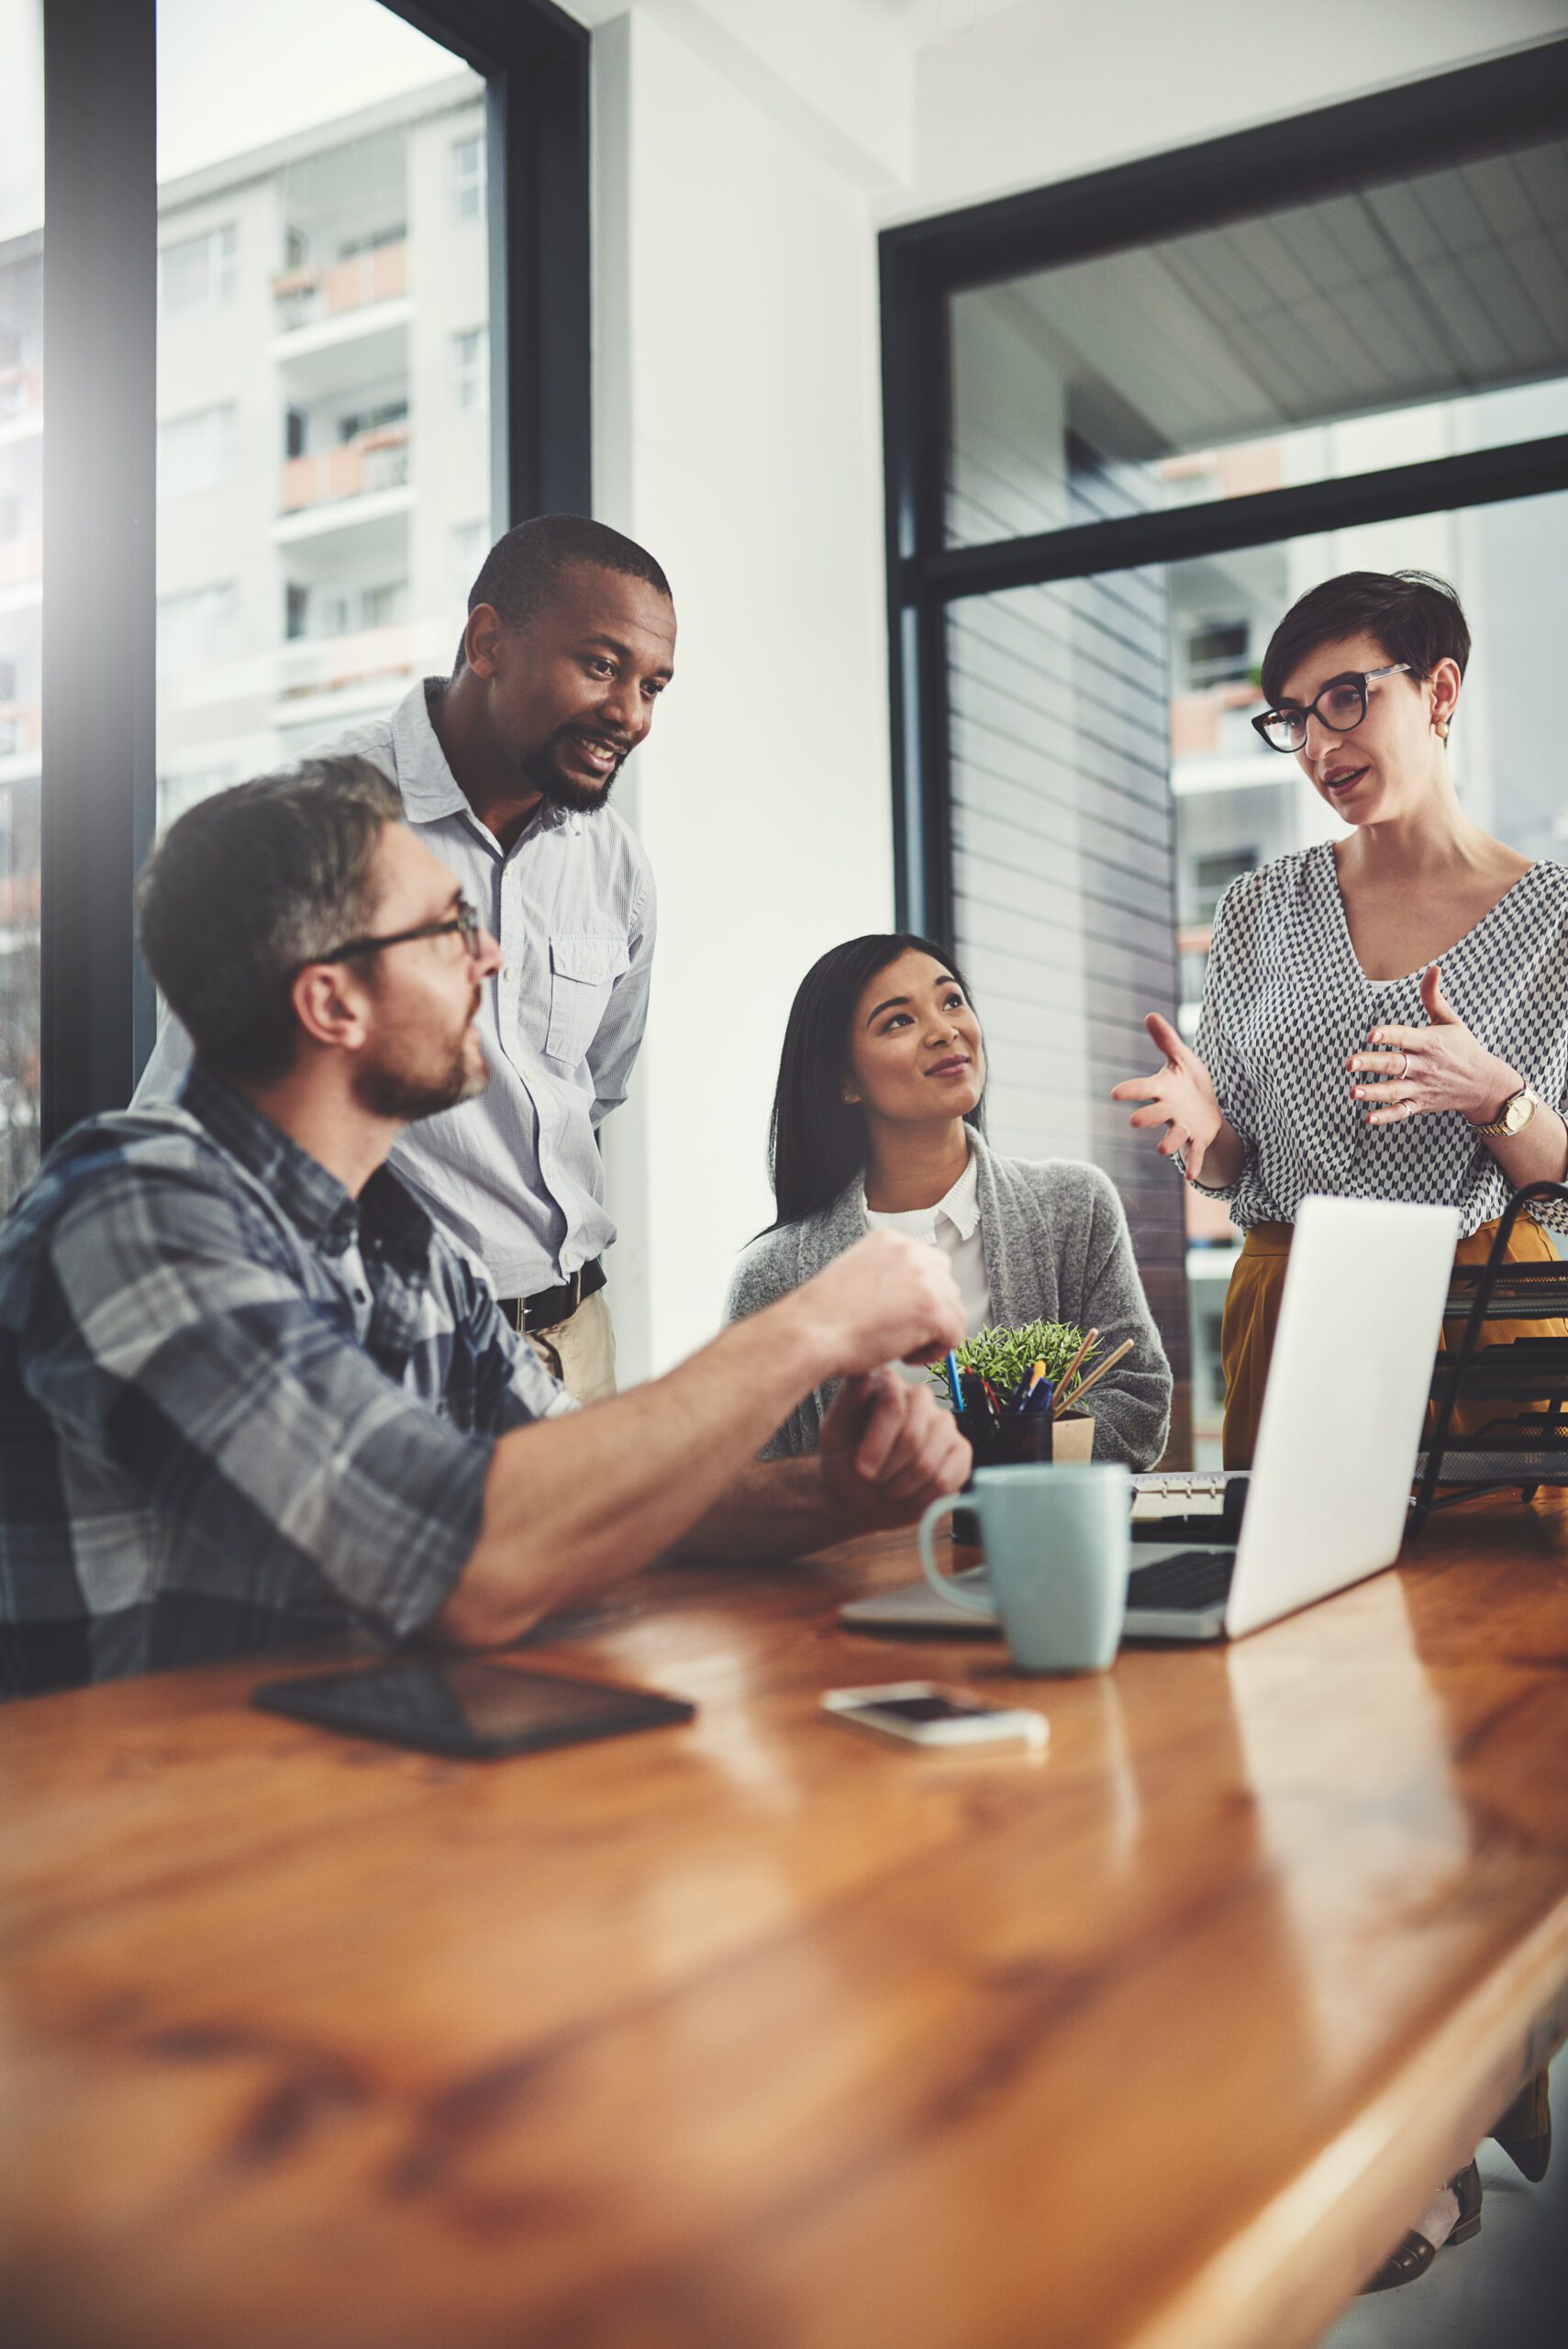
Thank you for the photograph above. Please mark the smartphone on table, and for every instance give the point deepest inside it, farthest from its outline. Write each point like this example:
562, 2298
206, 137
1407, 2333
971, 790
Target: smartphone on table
460, 1706
941, 1720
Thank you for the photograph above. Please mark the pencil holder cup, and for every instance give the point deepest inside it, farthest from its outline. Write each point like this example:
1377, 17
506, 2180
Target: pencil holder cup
1004, 1443
1017, 1438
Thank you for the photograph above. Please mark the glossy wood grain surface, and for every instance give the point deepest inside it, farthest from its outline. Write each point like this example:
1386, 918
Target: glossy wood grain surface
762, 2031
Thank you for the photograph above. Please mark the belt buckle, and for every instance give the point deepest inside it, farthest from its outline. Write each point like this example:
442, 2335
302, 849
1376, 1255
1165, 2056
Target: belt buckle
573, 1288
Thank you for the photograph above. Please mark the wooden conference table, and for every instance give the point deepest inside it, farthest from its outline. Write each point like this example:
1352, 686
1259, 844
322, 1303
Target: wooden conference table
764, 2034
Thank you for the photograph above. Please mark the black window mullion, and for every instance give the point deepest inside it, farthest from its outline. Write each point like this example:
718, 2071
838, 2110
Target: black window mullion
536, 62
98, 793
548, 307
916, 401
1131, 542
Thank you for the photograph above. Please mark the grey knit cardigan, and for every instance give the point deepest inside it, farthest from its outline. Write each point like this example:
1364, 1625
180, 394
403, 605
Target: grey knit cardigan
1057, 1249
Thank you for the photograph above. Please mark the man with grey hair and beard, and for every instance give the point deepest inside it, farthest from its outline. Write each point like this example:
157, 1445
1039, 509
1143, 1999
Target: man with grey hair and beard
250, 1392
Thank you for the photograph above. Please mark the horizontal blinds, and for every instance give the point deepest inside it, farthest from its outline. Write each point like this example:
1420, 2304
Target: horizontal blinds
1063, 848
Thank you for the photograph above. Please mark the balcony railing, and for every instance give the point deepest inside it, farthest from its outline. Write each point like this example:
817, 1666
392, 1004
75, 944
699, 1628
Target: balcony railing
21, 559
21, 897
377, 460
306, 296
21, 727
330, 665
21, 393
1207, 722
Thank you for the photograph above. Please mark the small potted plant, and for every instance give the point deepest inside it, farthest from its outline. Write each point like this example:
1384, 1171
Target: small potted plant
1006, 1359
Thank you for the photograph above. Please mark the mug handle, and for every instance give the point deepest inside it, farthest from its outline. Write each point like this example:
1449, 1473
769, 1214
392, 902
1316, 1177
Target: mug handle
944, 1585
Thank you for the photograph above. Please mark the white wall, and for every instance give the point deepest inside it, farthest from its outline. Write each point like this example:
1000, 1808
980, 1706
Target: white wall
746, 151
737, 437
1051, 88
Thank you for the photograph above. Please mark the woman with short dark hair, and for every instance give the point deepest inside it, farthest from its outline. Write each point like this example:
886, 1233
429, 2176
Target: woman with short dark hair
877, 1121
1385, 1016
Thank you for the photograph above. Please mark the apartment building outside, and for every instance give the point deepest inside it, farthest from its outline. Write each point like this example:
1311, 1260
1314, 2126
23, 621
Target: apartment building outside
322, 474
323, 431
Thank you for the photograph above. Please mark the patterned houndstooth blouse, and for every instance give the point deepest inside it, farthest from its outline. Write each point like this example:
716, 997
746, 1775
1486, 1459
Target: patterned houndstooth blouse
1285, 1003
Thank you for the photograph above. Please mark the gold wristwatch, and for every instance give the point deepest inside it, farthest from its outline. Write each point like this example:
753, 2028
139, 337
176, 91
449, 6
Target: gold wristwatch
1515, 1114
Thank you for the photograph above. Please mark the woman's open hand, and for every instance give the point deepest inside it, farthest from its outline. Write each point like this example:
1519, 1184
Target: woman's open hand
1179, 1096
1420, 1072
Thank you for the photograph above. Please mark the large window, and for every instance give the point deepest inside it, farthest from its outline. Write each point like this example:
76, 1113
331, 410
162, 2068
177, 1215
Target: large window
21, 588
318, 312
318, 293
1129, 422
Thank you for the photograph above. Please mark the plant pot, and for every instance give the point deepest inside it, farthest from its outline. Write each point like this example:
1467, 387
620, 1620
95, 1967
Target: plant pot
1072, 1437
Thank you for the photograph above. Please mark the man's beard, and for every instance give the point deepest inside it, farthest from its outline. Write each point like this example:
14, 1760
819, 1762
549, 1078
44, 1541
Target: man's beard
385, 1094
543, 774
389, 1093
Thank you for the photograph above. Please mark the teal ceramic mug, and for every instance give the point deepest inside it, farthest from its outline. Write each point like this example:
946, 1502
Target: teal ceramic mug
1058, 1544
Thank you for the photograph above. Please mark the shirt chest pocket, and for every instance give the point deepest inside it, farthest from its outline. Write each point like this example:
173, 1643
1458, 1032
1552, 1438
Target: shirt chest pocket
583, 967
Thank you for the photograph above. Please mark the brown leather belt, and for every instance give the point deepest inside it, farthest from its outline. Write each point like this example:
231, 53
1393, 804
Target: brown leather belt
550, 1307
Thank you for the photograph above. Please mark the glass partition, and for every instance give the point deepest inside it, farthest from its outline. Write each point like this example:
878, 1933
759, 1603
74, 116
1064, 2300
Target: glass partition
1383, 324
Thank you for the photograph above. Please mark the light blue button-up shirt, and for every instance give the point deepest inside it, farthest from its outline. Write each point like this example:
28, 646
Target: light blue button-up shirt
516, 1173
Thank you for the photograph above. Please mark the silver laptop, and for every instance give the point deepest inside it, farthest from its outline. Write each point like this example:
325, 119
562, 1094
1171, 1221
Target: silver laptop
1327, 1499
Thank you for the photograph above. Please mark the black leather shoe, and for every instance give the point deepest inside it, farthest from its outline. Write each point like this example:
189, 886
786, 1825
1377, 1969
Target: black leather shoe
1525, 2130
1415, 2255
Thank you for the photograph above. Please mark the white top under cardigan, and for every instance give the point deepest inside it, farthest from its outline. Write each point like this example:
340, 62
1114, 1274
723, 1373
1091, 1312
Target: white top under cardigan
953, 1225
1286, 1003
1057, 1249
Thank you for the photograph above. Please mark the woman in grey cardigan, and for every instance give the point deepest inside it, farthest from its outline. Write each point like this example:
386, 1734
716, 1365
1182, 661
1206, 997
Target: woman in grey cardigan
877, 1120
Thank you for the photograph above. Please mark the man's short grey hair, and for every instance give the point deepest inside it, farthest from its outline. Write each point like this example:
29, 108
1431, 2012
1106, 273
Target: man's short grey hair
247, 888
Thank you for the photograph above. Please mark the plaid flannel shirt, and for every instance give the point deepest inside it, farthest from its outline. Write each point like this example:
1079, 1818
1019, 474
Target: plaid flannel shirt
200, 1452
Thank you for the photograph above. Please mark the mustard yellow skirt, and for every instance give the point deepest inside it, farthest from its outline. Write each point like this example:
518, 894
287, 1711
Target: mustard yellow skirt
1251, 1316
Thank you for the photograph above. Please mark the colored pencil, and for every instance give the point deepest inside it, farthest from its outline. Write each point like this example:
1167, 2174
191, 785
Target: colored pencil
1095, 1376
1088, 1342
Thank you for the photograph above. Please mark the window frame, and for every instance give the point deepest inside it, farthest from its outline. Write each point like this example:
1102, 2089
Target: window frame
924, 262
463, 183
220, 242
98, 794
468, 371
220, 449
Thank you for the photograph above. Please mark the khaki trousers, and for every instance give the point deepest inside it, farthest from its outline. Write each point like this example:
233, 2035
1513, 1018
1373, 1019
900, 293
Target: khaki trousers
580, 1353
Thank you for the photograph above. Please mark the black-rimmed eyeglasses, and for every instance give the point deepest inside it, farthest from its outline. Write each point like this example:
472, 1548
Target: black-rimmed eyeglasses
1341, 707
464, 923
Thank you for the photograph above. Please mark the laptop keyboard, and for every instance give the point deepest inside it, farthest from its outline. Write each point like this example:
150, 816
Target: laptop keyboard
1187, 1583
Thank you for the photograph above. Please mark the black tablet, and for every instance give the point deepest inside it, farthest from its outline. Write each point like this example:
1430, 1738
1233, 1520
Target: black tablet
463, 1707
